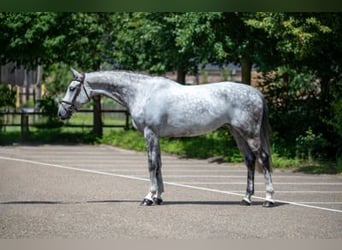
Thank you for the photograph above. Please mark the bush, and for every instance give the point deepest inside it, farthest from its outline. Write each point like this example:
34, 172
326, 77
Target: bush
309, 145
7, 96
49, 107
307, 125
336, 123
7, 99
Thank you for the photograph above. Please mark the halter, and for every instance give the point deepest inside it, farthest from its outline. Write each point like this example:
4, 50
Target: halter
77, 92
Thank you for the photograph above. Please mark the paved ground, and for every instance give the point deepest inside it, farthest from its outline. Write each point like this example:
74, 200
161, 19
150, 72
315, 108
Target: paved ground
94, 192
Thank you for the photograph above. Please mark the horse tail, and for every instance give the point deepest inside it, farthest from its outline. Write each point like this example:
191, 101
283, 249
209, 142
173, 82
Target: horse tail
265, 132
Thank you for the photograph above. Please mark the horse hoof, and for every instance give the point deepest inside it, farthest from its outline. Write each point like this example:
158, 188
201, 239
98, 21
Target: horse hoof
245, 203
146, 202
268, 204
157, 201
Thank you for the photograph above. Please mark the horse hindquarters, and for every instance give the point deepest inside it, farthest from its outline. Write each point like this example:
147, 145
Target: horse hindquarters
254, 146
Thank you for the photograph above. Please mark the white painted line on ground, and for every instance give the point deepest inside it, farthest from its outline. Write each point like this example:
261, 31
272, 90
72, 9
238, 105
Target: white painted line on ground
236, 176
144, 169
262, 183
72, 168
296, 191
322, 202
169, 183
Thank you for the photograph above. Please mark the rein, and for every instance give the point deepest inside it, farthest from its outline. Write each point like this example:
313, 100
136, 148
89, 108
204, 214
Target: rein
77, 92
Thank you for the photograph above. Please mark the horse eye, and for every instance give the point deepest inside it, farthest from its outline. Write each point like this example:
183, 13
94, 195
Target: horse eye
72, 88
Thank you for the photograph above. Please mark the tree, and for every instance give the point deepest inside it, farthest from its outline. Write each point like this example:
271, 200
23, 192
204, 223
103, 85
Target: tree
23, 37
146, 41
221, 38
303, 40
82, 39
307, 44
77, 39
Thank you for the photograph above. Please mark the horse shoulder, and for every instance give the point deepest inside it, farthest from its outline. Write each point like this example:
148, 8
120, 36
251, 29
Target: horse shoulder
151, 103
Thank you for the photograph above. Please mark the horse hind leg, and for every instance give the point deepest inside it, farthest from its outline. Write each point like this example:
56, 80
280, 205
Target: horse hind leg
264, 159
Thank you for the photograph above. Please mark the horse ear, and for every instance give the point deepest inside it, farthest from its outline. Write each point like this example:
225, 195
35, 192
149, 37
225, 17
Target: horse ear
76, 74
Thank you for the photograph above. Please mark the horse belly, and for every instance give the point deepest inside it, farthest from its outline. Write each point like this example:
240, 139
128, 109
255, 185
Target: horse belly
189, 123
186, 131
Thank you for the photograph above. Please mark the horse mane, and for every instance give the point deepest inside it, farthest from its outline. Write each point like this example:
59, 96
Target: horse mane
133, 76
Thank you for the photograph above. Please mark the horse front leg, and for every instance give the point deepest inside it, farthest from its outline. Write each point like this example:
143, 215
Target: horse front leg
154, 168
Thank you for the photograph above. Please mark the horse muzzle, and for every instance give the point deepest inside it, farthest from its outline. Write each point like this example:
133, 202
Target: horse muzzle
64, 113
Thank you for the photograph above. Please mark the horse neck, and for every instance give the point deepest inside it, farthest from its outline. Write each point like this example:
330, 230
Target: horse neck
120, 86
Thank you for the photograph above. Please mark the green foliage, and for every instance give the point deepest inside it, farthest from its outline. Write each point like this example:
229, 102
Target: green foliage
57, 78
339, 164
297, 34
48, 135
336, 119
292, 100
33, 38
23, 35
309, 144
129, 139
299, 51
279, 161
49, 108
301, 40
147, 41
7, 99
7, 96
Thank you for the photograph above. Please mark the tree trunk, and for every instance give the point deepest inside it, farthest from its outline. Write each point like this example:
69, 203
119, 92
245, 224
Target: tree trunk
325, 97
246, 68
181, 74
97, 115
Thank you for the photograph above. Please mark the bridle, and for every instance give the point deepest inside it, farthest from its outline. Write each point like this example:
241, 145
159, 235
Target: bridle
78, 89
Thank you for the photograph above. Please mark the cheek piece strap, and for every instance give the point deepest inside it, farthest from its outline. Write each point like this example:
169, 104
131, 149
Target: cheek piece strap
71, 104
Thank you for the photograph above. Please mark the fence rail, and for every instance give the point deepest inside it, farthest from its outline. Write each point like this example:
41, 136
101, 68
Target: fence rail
21, 119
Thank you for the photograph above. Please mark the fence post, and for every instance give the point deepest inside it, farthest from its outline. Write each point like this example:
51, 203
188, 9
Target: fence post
1, 121
127, 120
24, 124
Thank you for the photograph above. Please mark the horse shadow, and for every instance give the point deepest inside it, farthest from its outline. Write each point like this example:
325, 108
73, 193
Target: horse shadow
218, 203
165, 203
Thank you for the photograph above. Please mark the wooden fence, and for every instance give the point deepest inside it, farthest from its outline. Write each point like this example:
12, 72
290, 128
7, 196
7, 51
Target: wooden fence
26, 118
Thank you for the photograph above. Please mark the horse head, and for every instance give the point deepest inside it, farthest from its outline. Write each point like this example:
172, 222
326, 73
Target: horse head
76, 95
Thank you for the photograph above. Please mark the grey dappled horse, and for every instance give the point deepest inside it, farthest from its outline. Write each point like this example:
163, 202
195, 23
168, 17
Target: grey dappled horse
161, 107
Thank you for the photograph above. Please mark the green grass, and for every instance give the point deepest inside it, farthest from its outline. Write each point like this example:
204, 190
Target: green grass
215, 144
284, 162
218, 145
319, 168
87, 119
47, 136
